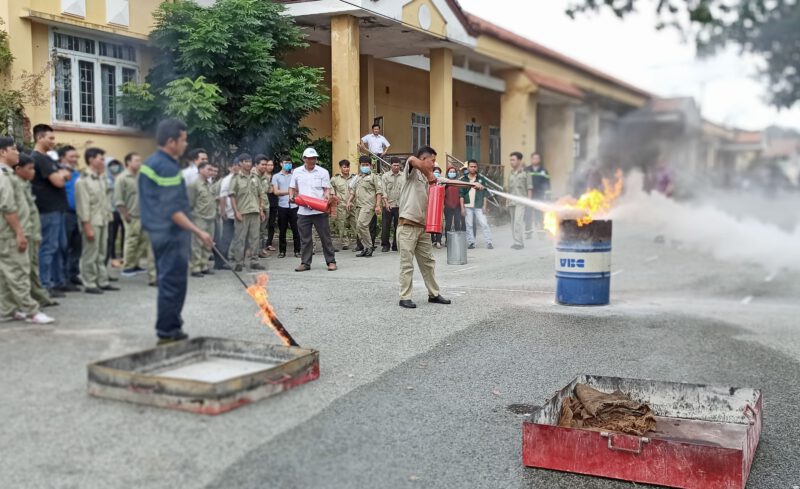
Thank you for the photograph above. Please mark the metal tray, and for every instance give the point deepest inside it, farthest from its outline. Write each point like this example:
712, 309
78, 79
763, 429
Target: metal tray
203, 375
705, 436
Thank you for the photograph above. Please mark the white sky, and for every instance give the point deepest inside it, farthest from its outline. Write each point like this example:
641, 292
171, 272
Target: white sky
657, 61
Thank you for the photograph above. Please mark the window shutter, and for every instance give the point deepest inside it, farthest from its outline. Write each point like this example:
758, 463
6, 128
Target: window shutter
74, 7
118, 12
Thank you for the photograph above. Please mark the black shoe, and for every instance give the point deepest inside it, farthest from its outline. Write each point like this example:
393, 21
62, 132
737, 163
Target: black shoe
408, 304
517, 247
257, 266
438, 300
109, 287
51, 304
359, 248
93, 290
368, 252
113, 279
384, 249
138, 269
207, 272
489, 246
76, 281
55, 293
394, 248
237, 268
197, 274
297, 254
152, 284
471, 247
222, 267
281, 255
180, 336
68, 288
345, 247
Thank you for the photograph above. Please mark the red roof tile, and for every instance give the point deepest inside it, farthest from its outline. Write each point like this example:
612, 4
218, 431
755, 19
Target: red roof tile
554, 84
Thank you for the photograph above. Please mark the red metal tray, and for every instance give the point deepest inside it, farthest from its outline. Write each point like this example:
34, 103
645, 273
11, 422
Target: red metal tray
705, 437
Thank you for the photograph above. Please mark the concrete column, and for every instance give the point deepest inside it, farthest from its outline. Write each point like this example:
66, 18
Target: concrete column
517, 117
345, 94
441, 82
367, 93
558, 151
593, 134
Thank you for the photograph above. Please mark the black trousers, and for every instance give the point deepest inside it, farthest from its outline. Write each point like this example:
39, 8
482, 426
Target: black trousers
272, 224
287, 218
115, 228
389, 223
322, 225
453, 220
73, 255
172, 252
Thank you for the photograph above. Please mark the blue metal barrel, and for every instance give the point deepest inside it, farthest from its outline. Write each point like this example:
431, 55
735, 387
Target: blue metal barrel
583, 263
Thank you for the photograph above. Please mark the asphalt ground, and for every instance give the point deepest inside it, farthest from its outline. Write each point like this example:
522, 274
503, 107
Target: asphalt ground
407, 398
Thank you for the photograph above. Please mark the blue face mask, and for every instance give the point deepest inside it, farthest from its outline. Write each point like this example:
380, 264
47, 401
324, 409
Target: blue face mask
365, 170
451, 174
287, 167
437, 174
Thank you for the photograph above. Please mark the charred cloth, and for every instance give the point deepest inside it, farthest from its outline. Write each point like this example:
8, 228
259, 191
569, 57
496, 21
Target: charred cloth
596, 410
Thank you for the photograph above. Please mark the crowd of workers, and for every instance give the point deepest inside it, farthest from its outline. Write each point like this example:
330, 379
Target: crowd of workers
60, 224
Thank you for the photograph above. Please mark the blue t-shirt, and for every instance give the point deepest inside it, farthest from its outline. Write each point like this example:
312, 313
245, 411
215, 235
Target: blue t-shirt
162, 192
70, 186
282, 182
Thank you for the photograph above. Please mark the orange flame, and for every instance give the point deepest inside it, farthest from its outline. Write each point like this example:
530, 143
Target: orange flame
258, 291
590, 205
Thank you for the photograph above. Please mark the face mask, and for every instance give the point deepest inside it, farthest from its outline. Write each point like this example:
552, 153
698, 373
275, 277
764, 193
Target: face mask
287, 167
466, 171
365, 170
436, 174
451, 174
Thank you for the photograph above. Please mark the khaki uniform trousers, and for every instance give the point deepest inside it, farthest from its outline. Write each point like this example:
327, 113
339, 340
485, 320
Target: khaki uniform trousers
38, 292
365, 215
199, 252
517, 224
264, 226
136, 244
15, 282
345, 225
414, 242
246, 235
93, 258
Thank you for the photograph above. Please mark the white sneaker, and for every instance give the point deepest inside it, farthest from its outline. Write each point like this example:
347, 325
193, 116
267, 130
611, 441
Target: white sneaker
18, 316
40, 318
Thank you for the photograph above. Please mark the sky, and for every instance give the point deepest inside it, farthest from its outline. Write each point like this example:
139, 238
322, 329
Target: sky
726, 86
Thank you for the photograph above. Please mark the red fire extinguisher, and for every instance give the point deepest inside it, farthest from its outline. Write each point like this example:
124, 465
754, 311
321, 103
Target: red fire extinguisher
433, 219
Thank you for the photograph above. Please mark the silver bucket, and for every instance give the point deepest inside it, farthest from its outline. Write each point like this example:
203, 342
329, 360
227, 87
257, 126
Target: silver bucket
457, 248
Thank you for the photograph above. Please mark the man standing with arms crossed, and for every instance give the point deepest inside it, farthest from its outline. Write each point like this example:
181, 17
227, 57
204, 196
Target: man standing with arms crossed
392, 184
412, 240
165, 216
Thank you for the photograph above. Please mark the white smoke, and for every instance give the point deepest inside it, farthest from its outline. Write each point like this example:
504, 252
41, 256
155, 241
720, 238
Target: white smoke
708, 229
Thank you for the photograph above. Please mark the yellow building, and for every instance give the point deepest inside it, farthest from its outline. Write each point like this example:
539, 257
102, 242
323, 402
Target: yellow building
427, 71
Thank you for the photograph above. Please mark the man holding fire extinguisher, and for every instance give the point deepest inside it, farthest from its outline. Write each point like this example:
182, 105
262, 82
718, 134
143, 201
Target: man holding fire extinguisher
412, 231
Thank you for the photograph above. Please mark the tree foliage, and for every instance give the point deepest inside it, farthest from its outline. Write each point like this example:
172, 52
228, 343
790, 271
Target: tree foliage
219, 69
769, 28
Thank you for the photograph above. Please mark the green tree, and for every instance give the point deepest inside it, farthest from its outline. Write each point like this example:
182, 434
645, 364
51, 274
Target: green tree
219, 69
770, 29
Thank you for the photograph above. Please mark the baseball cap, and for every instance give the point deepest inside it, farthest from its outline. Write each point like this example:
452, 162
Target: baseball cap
310, 153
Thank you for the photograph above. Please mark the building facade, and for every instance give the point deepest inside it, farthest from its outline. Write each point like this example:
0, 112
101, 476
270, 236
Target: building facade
426, 70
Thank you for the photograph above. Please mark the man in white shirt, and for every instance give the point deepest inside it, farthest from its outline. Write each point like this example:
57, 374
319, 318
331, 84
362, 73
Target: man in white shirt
196, 156
227, 215
314, 181
375, 142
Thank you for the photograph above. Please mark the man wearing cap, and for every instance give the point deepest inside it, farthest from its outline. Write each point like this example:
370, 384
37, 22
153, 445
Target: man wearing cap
412, 240
314, 181
345, 223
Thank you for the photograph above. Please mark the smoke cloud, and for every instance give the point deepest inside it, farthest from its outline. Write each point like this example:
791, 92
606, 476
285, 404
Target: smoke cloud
707, 228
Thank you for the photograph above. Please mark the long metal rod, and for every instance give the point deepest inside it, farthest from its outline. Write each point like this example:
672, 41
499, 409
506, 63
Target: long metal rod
380, 159
226, 262
495, 184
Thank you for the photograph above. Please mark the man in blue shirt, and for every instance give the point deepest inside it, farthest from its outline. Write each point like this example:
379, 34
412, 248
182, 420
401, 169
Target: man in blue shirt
165, 214
68, 160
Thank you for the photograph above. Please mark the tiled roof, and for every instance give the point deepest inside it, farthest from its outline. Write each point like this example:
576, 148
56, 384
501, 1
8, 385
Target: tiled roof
554, 84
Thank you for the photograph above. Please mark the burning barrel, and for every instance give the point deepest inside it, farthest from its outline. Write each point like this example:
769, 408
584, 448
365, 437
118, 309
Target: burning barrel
583, 263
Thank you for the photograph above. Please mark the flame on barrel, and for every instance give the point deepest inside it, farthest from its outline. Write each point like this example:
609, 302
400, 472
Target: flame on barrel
258, 291
589, 206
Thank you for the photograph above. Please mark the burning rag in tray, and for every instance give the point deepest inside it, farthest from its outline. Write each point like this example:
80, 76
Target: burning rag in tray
596, 410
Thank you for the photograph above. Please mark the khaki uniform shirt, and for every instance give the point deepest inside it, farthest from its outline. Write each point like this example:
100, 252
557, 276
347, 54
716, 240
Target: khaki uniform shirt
266, 189
202, 199
126, 192
27, 212
91, 199
518, 184
215, 189
414, 196
8, 201
367, 187
392, 184
248, 192
341, 187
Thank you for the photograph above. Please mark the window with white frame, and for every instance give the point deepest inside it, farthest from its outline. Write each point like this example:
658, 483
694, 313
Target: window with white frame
420, 131
87, 76
494, 145
473, 132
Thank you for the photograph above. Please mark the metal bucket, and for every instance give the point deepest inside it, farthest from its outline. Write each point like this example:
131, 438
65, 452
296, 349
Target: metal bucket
583, 263
456, 247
